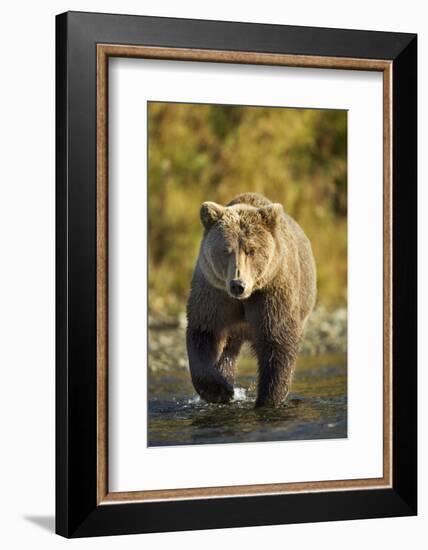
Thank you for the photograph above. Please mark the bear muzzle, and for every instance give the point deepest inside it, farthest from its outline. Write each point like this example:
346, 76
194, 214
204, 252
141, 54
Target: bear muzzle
237, 288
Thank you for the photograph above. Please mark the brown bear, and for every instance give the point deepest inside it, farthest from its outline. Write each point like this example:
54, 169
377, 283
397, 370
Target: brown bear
254, 280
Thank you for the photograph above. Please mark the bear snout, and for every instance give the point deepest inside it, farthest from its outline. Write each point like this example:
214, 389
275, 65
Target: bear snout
237, 287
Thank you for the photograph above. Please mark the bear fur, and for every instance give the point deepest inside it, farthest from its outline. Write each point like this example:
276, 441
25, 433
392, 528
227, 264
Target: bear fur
254, 280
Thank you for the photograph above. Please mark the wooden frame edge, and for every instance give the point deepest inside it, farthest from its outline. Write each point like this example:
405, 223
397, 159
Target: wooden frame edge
103, 52
387, 273
241, 57
102, 274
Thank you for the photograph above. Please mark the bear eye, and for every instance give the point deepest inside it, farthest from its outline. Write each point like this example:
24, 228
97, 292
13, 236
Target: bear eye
250, 252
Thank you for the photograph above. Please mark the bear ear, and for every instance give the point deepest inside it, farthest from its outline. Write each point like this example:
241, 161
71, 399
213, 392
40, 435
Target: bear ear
270, 214
210, 213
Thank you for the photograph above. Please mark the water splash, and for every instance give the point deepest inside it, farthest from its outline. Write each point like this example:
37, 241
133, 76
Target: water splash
240, 394
194, 400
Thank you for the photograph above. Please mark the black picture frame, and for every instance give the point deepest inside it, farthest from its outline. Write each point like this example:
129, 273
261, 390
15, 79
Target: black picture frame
77, 511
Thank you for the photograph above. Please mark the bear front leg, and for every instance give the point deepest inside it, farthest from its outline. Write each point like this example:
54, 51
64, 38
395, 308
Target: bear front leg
227, 361
211, 379
276, 340
276, 367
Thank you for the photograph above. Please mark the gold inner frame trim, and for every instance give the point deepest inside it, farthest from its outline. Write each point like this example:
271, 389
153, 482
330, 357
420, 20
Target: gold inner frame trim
104, 51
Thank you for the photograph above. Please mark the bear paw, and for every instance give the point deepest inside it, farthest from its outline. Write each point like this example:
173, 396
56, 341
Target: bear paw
213, 390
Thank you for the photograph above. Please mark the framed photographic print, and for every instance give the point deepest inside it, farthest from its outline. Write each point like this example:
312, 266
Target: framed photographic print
236, 274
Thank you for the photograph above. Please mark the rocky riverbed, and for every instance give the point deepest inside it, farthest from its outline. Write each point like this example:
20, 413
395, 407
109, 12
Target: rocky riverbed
326, 334
316, 408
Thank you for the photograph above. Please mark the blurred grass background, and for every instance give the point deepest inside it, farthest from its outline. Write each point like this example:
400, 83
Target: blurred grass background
297, 157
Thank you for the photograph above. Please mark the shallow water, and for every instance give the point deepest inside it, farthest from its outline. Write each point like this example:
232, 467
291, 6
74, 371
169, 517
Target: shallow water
315, 409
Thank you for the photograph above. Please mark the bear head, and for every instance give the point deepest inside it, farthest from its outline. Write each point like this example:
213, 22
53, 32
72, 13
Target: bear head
239, 247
